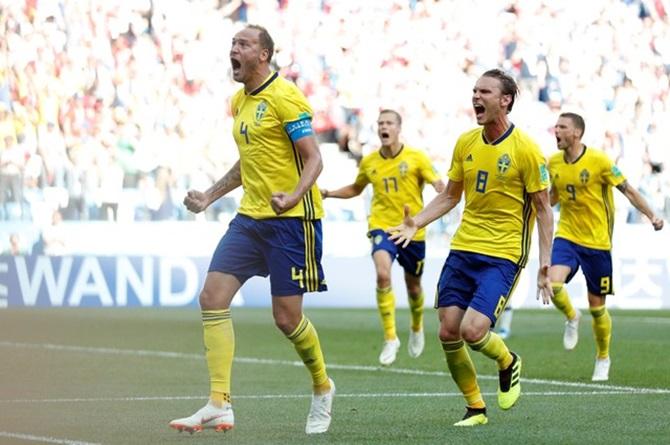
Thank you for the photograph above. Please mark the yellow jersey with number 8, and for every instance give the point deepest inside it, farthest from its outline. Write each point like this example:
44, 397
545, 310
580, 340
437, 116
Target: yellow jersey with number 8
497, 177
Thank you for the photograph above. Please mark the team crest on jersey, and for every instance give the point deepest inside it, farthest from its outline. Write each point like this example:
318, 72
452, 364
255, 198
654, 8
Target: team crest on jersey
504, 162
615, 171
584, 176
260, 111
404, 168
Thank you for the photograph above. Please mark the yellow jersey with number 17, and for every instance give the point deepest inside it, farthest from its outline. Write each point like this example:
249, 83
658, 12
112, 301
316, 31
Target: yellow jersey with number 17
497, 177
395, 182
266, 122
584, 190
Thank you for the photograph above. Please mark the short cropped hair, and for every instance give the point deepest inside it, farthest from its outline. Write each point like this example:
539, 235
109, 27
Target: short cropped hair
264, 39
577, 120
393, 112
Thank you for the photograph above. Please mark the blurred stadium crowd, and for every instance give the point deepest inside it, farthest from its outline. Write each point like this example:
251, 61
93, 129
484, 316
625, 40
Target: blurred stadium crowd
111, 109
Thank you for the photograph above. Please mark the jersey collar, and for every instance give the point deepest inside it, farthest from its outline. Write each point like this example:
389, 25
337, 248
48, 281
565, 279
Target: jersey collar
501, 138
402, 147
265, 84
581, 155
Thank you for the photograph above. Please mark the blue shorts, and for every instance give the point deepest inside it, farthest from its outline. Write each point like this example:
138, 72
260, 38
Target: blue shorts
481, 282
596, 264
287, 249
411, 258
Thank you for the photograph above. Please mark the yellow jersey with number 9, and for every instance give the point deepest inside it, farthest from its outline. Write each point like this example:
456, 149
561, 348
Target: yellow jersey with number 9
395, 182
266, 122
497, 177
584, 190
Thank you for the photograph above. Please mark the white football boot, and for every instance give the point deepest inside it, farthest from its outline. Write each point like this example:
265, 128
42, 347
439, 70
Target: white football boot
389, 351
319, 417
601, 372
571, 333
207, 417
416, 343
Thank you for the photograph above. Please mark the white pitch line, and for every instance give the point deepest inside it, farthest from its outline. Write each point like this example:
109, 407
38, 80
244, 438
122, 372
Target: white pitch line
652, 320
295, 363
306, 396
43, 439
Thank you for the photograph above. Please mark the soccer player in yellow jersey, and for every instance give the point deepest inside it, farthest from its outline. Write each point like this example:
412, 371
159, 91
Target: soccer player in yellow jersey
397, 173
276, 232
503, 174
582, 180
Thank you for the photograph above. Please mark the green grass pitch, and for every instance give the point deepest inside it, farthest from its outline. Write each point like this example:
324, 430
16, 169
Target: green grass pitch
118, 376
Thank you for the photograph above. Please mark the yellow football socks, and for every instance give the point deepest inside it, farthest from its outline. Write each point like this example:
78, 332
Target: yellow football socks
306, 343
463, 372
416, 312
494, 347
562, 300
219, 340
386, 307
602, 330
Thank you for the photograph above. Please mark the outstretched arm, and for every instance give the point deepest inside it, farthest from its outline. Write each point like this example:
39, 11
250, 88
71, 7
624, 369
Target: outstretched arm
312, 165
438, 185
545, 228
197, 201
346, 192
640, 203
439, 206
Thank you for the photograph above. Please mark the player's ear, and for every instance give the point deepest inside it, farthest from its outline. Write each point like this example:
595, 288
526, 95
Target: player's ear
505, 100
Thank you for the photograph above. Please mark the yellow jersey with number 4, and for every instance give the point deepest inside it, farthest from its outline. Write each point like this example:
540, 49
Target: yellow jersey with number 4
395, 182
584, 190
497, 177
266, 121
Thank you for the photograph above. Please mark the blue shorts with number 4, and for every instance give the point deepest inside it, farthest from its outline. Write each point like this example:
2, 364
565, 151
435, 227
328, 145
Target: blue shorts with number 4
481, 282
287, 249
596, 264
411, 258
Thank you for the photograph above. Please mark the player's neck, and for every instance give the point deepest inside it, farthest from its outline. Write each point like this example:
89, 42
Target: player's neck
257, 79
574, 152
390, 151
494, 130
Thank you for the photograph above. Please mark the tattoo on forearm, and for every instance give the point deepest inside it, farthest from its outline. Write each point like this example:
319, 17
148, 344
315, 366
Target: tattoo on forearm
623, 186
231, 180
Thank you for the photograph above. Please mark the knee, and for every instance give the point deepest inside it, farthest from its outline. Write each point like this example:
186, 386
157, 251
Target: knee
383, 280
413, 291
285, 322
472, 333
209, 300
448, 333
